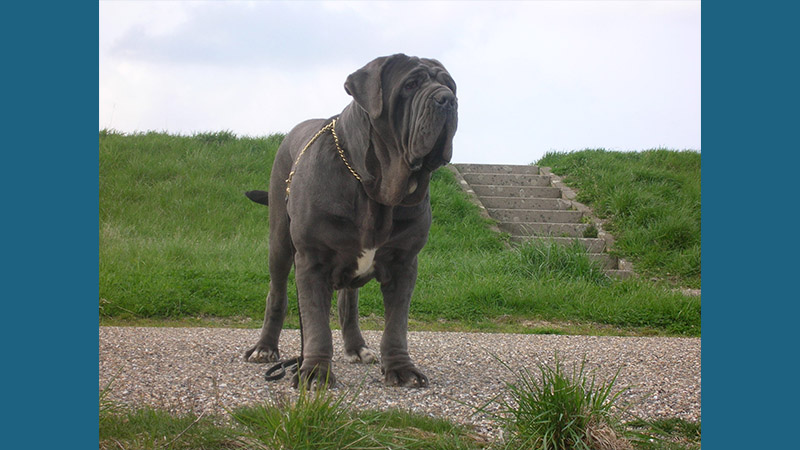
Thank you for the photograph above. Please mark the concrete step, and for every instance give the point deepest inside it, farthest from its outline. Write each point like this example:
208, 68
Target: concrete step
592, 245
494, 168
620, 274
606, 261
535, 215
507, 179
525, 203
515, 191
543, 229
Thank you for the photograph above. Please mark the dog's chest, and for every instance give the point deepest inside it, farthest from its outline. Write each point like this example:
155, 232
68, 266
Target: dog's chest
365, 263
355, 271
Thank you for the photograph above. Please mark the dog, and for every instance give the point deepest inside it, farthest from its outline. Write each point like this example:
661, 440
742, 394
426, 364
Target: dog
349, 202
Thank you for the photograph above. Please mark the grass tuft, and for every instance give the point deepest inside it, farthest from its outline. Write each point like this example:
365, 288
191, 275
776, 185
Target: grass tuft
541, 259
315, 420
320, 420
665, 434
557, 410
149, 428
218, 138
107, 407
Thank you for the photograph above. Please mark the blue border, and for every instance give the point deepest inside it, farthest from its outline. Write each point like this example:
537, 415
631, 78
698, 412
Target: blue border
50, 181
51, 211
749, 187
718, 308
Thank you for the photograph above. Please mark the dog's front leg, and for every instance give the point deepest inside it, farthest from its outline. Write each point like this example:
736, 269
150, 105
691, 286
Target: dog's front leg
314, 292
396, 365
355, 348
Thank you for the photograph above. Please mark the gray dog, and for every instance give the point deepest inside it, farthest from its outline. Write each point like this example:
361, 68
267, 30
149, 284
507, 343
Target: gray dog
349, 202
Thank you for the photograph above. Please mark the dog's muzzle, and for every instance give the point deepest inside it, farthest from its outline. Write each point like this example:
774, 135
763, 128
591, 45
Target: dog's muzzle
445, 99
430, 146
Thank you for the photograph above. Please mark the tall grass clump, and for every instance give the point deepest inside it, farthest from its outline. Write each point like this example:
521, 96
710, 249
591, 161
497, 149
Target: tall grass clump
218, 137
150, 428
541, 259
664, 434
316, 420
107, 407
319, 420
557, 410
651, 200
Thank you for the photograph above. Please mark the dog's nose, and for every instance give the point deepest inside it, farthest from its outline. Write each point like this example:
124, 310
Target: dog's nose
445, 99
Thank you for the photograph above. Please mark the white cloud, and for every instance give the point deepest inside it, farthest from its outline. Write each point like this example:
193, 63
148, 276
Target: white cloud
532, 76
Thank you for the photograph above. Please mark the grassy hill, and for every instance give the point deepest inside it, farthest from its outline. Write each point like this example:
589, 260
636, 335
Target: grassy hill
179, 242
651, 201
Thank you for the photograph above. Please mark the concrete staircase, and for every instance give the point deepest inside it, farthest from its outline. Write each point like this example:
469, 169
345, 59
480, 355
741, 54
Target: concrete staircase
529, 202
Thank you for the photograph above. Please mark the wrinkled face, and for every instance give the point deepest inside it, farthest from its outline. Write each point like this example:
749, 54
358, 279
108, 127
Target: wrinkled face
426, 102
413, 124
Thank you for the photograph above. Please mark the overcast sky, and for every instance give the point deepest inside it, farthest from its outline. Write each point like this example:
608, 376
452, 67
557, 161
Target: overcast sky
532, 76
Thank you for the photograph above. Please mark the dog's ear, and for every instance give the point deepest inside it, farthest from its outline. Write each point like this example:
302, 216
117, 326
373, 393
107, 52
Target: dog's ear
366, 88
258, 196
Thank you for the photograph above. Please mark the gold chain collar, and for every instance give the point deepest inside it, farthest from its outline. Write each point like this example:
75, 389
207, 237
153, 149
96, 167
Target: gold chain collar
332, 127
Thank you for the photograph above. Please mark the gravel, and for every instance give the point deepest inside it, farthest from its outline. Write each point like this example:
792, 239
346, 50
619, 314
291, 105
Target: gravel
201, 370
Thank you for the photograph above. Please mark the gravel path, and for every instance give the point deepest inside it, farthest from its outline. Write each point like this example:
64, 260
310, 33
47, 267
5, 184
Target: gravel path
201, 369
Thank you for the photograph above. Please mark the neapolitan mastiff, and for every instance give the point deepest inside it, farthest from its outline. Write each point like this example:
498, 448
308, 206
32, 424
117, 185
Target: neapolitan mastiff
349, 202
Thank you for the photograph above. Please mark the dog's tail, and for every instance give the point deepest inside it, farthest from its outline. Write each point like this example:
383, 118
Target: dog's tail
258, 196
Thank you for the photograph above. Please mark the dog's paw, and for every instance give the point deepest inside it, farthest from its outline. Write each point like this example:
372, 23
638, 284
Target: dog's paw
262, 354
318, 377
365, 355
408, 376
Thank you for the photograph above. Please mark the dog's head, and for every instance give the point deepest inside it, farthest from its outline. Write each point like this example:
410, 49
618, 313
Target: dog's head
411, 108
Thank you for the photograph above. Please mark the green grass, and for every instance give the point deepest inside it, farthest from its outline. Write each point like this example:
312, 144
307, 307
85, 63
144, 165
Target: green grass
316, 420
320, 420
177, 235
149, 428
651, 200
180, 243
664, 434
558, 409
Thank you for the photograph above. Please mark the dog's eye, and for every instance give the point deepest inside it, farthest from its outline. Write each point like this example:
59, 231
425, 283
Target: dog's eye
411, 85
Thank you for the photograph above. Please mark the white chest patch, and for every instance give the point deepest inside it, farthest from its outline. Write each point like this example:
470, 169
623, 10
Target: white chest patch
366, 262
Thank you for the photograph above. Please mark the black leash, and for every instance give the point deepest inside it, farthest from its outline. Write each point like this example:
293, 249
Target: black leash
291, 364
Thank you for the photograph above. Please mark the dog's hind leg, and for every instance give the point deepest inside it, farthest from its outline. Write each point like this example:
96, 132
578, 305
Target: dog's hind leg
355, 348
281, 257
